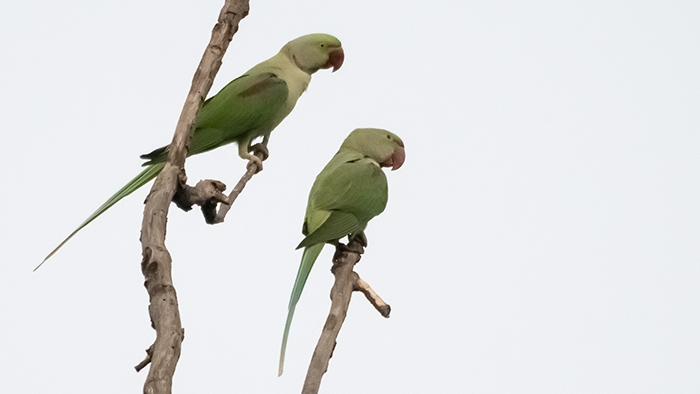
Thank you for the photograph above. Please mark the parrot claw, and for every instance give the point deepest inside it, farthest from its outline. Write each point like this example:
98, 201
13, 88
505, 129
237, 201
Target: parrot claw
349, 248
360, 238
260, 148
254, 161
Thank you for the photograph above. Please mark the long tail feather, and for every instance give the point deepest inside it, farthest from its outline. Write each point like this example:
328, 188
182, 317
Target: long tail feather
140, 180
307, 262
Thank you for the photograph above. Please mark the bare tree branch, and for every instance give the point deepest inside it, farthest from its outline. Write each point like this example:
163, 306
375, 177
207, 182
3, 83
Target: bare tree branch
208, 194
223, 210
382, 307
156, 263
346, 281
145, 361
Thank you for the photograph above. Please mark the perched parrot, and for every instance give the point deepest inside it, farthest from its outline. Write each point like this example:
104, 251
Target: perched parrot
349, 191
249, 107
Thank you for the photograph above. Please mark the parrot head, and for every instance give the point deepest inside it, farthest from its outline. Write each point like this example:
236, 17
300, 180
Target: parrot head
313, 52
382, 146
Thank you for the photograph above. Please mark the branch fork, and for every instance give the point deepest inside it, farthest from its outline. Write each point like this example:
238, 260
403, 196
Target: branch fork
208, 193
346, 281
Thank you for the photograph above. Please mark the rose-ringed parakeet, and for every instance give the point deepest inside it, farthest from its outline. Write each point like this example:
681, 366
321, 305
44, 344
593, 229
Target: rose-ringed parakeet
349, 191
249, 107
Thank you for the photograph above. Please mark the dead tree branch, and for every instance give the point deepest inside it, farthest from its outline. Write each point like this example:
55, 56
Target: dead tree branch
223, 210
156, 263
346, 281
382, 307
208, 194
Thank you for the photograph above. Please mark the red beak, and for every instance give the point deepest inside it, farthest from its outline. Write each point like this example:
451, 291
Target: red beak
335, 59
395, 161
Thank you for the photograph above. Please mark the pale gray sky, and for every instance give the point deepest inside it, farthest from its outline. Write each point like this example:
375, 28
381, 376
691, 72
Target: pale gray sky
542, 236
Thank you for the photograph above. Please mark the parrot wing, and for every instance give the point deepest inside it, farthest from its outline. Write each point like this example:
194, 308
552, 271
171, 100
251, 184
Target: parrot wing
247, 107
351, 183
336, 226
253, 103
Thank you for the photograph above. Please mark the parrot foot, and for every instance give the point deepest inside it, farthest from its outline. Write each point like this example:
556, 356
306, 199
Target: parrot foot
360, 238
254, 163
351, 247
260, 148
258, 154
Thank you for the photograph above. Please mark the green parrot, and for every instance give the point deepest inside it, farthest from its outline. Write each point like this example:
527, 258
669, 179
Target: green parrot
349, 191
249, 107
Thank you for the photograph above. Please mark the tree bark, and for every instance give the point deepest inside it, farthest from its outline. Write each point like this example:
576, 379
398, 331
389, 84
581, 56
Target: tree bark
346, 281
156, 263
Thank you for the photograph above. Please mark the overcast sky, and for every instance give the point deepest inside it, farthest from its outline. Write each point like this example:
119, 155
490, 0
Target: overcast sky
543, 235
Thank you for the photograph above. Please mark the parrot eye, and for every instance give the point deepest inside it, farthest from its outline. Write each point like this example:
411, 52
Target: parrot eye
323, 45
